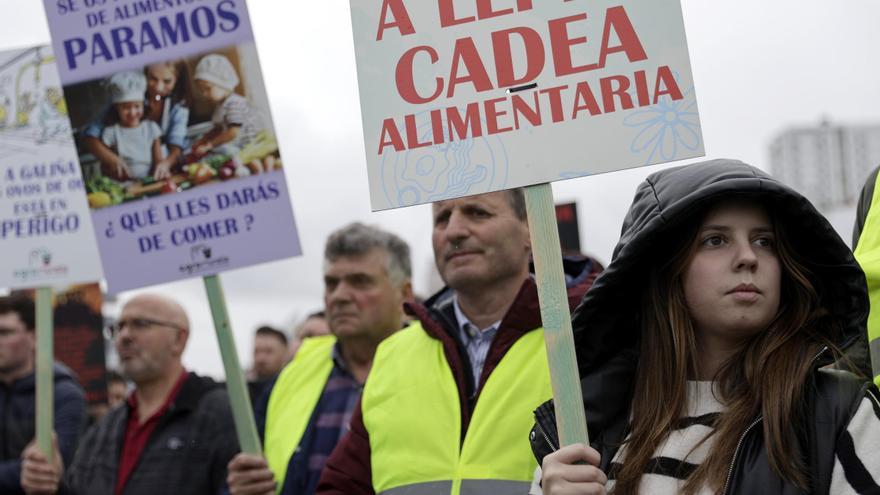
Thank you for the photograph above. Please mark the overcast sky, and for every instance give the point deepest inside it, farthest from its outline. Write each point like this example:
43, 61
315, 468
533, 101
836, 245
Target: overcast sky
759, 67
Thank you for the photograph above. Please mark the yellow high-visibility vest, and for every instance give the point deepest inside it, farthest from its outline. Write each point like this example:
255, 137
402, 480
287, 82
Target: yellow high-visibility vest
411, 410
293, 399
868, 255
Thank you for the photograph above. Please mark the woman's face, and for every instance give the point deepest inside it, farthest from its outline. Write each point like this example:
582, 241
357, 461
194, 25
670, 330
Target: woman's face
160, 81
732, 282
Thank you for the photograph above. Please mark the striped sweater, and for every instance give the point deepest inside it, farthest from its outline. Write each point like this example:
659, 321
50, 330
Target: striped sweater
856, 467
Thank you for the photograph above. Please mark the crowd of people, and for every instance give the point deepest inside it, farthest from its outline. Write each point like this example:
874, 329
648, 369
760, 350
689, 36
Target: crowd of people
724, 349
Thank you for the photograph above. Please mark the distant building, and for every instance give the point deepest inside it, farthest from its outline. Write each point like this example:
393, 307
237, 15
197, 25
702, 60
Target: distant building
829, 163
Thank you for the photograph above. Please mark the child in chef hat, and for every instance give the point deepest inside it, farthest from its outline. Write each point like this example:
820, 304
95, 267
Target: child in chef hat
135, 140
235, 122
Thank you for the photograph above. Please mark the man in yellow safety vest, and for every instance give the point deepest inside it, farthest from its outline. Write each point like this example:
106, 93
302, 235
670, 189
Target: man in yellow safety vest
866, 247
448, 406
306, 411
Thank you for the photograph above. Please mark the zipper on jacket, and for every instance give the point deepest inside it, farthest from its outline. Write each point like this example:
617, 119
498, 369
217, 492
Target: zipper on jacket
545, 436
817, 356
746, 432
736, 452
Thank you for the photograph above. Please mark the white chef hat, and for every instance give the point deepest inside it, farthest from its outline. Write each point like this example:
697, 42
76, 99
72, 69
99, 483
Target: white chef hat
216, 69
127, 86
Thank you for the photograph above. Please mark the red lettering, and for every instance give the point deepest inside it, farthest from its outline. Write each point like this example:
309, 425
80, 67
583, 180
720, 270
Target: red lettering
520, 107
504, 58
406, 86
560, 45
465, 53
608, 92
616, 18
447, 14
437, 126
584, 100
390, 136
461, 126
412, 133
492, 115
484, 10
642, 88
401, 18
555, 96
665, 76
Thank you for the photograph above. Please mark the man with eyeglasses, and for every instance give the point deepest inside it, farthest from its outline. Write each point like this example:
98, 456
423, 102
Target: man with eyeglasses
18, 392
175, 433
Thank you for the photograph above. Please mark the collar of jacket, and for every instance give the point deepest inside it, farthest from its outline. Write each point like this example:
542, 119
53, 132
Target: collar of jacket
191, 392
523, 316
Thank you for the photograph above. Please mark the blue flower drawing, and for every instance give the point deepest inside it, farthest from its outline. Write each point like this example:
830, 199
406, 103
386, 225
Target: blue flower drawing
666, 129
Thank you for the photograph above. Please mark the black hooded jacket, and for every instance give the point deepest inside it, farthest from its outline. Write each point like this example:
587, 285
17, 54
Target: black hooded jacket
606, 322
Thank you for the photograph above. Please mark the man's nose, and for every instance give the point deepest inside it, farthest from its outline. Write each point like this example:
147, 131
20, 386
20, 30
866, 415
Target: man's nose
340, 293
457, 227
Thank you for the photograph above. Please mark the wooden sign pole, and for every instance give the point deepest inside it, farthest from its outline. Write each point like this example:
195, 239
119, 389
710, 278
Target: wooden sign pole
242, 412
45, 372
549, 276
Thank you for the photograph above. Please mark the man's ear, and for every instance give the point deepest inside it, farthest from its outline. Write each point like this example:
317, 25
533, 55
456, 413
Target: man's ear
180, 340
406, 291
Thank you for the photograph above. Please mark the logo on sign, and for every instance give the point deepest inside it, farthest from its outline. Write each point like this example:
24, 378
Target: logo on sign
40, 266
200, 253
203, 258
41, 257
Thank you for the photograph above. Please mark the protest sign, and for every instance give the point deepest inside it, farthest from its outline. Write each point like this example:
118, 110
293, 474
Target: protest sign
45, 225
184, 75
470, 96
44, 220
461, 97
177, 147
78, 338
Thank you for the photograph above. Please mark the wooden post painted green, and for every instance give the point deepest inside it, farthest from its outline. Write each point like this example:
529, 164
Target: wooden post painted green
45, 374
243, 414
570, 418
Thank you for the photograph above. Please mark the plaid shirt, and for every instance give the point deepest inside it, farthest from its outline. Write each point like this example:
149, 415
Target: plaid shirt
328, 424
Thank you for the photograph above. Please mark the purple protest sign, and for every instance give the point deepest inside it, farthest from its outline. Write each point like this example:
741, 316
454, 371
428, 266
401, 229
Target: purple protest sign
174, 136
205, 232
93, 38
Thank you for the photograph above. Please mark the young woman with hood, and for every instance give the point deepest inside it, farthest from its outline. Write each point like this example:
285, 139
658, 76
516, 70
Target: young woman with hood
705, 349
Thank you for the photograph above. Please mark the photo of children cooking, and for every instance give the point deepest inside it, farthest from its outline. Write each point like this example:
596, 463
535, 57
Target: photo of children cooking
172, 126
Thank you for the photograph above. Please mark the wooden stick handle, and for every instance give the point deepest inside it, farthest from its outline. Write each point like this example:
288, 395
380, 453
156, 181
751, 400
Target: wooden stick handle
570, 417
242, 412
45, 372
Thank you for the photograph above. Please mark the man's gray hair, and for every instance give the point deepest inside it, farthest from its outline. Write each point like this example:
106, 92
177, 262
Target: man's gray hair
357, 239
517, 199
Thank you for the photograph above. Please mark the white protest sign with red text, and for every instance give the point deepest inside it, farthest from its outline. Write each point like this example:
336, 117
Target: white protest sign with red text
462, 97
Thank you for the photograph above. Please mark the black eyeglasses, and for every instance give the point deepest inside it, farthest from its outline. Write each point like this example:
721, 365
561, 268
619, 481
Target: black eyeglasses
135, 325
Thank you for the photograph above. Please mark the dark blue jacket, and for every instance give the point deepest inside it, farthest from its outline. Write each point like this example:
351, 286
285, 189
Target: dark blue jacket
17, 422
